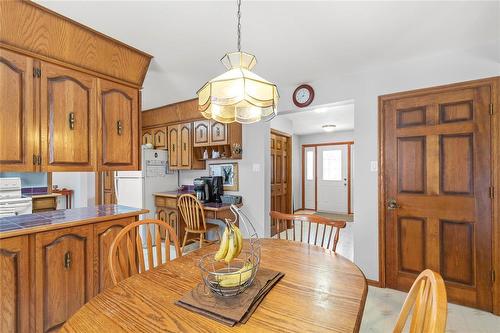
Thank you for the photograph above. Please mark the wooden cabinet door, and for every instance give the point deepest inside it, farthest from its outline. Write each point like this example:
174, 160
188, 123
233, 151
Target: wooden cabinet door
104, 234
173, 151
218, 133
17, 113
67, 119
14, 285
63, 275
201, 137
437, 179
147, 137
160, 138
185, 146
173, 220
119, 119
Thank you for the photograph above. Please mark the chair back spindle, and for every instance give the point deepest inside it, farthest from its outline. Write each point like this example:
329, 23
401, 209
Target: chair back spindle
282, 222
427, 304
126, 256
192, 212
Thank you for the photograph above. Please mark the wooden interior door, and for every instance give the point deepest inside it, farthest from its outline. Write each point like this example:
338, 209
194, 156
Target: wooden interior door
437, 191
17, 112
67, 116
119, 123
281, 199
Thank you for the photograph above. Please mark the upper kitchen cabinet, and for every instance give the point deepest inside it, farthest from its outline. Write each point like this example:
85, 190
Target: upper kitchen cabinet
17, 115
67, 119
119, 123
66, 104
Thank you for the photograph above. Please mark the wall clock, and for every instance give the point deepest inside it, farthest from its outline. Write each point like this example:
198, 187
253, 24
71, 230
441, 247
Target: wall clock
303, 95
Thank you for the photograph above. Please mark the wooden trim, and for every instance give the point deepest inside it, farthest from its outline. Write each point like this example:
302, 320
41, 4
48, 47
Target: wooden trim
315, 146
374, 283
494, 82
49, 182
170, 105
276, 132
289, 151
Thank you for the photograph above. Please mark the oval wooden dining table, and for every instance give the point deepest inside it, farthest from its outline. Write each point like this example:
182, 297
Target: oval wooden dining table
321, 291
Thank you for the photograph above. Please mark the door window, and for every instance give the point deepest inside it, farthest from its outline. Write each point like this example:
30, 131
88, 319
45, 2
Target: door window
332, 165
310, 165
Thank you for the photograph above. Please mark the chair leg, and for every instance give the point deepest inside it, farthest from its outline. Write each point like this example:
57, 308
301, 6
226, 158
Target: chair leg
184, 241
201, 240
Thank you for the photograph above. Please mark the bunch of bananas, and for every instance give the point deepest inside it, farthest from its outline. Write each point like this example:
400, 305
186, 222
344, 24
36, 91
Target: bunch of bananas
237, 278
231, 243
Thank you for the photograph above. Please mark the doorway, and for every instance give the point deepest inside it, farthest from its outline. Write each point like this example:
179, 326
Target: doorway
436, 189
327, 177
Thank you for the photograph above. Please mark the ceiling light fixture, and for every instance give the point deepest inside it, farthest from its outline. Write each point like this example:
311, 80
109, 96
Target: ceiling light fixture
328, 128
238, 94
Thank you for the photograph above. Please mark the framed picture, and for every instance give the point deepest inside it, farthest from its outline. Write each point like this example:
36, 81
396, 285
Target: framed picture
229, 173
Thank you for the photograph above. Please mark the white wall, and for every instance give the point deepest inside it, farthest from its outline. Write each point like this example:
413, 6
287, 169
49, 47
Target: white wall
83, 185
254, 175
282, 124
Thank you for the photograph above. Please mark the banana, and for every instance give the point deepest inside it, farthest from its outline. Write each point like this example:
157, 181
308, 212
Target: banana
224, 246
239, 238
232, 247
237, 278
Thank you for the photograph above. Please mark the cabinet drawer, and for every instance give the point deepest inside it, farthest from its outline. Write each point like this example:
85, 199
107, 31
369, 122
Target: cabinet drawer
44, 203
166, 202
209, 214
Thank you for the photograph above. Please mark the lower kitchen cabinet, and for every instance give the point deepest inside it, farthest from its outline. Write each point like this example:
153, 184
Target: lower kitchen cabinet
46, 276
63, 275
15, 285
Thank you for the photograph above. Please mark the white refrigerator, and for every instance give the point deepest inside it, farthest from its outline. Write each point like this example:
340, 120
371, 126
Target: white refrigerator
136, 188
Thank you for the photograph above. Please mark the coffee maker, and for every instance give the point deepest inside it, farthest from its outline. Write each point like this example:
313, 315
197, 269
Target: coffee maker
216, 188
202, 189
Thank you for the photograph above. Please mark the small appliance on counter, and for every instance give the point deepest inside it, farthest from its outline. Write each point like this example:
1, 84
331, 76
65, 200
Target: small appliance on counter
12, 202
202, 189
216, 188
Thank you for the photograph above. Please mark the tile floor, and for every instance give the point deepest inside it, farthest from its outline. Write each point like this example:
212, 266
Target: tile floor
383, 306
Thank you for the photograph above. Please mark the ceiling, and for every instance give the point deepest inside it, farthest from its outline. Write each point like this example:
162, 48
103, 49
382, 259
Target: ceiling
295, 42
311, 120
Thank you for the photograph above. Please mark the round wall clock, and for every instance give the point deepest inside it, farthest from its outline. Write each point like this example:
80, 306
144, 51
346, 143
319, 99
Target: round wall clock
303, 95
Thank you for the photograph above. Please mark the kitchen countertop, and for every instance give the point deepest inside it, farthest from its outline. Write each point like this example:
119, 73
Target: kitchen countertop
41, 195
173, 194
63, 218
213, 206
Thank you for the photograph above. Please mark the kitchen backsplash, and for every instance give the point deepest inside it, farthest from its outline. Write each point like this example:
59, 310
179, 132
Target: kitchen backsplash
28, 179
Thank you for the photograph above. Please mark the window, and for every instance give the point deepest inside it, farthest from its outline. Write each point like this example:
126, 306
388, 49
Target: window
332, 165
310, 165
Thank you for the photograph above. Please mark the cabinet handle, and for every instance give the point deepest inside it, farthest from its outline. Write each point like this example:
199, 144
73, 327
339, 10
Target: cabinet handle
218, 131
67, 260
173, 148
71, 120
119, 127
184, 146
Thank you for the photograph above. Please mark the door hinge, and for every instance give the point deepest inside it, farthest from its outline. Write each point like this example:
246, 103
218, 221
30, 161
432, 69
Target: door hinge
39, 160
491, 108
492, 192
37, 72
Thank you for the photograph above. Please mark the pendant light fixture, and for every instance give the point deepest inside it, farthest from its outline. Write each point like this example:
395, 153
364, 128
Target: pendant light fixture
238, 94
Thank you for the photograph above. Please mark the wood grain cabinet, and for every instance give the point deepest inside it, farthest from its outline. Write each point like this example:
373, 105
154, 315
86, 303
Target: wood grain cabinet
15, 285
180, 148
160, 138
218, 133
119, 120
67, 119
173, 150
147, 136
17, 116
201, 133
63, 275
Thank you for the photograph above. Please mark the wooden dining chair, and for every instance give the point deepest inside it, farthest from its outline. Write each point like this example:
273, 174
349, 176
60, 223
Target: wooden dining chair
313, 223
193, 214
127, 256
427, 298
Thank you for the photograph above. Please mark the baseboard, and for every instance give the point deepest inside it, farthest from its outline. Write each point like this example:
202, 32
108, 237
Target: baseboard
373, 283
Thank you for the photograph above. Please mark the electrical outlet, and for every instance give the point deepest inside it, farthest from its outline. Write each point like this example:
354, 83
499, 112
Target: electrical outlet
373, 166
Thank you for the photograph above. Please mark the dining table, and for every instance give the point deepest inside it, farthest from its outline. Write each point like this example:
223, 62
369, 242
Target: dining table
321, 291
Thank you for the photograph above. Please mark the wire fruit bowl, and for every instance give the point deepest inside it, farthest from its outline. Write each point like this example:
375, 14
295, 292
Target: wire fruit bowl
233, 278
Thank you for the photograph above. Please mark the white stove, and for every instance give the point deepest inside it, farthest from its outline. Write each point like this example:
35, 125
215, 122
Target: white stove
12, 202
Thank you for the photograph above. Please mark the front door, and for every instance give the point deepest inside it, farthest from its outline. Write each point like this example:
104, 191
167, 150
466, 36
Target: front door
332, 178
437, 191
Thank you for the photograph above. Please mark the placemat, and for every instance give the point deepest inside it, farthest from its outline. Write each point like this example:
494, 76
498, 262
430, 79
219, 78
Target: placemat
231, 310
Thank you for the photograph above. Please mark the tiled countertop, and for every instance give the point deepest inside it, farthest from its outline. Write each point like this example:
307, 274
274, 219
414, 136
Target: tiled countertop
41, 195
31, 223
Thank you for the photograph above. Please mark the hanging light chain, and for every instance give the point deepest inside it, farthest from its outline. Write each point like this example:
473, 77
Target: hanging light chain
239, 26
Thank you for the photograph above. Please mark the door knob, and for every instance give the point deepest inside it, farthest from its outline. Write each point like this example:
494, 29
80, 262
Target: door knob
392, 204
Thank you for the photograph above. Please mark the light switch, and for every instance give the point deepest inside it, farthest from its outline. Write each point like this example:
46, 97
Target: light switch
373, 166
256, 167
